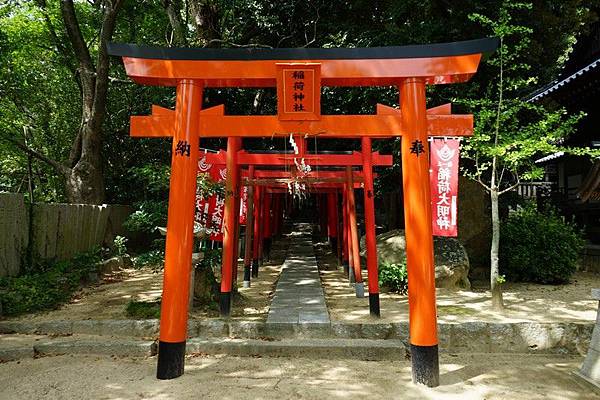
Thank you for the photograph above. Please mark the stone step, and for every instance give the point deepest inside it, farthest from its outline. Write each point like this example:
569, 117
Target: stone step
360, 349
474, 336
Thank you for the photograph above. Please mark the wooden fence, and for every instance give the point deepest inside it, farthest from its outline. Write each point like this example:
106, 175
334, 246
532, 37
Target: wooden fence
58, 231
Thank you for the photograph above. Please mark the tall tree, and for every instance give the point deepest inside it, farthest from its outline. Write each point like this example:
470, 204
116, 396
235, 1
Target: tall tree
83, 170
509, 131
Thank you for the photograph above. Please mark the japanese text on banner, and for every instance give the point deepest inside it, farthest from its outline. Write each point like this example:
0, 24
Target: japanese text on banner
444, 186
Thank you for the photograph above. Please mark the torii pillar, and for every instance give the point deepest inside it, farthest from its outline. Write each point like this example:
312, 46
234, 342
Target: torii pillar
419, 236
180, 231
249, 231
370, 240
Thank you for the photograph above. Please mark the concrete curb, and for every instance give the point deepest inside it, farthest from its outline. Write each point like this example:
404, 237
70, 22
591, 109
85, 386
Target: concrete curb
362, 349
16, 353
100, 345
480, 337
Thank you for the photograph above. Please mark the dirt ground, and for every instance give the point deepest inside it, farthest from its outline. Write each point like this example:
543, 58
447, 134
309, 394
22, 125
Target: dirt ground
462, 377
109, 298
524, 301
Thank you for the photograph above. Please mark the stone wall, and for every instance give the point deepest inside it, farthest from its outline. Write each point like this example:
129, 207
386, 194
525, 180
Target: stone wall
58, 231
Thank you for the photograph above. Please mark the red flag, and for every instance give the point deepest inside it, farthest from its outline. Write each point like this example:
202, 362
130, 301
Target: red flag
443, 178
210, 210
243, 205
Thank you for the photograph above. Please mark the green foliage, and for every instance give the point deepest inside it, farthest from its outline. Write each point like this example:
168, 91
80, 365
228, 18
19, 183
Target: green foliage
143, 309
39, 76
152, 258
212, 258
120, 245
48, 286
148, 215
394, 277
539, 247
511, 132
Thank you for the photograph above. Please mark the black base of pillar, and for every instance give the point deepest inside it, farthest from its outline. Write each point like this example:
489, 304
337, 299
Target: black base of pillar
374, 305
267, 248
425, 365
225, 304
247, 271
333, 243
346, 267
255, 268
171, 359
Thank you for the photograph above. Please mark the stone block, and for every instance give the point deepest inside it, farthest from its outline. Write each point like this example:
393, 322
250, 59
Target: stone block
536, 336
55, 327
247, 329
346, 330
591, 365
213, 327
377, 331
400, 331
444, 335
88, 327
472, 336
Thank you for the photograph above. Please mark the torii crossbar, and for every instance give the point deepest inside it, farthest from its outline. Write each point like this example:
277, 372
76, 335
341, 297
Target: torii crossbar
298, 75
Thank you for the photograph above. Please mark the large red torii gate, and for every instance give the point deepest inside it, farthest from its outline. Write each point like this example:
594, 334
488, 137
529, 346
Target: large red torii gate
298, 75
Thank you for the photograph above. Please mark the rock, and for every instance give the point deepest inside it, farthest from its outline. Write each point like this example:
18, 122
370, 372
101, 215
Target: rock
451, 258
127, 261
111, 265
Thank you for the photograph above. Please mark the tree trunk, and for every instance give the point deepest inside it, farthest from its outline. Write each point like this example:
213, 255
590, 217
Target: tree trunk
495, 285
85, 178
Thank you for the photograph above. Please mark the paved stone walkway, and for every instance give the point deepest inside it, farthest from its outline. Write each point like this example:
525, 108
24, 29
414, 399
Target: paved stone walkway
299, 297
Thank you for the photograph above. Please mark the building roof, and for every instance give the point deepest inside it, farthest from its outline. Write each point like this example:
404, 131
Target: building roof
559, 83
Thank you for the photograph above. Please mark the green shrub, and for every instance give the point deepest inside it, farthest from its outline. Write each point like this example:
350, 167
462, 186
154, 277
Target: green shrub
120, 245
394, 277
152, 258
143, 309
539, 247
47, 286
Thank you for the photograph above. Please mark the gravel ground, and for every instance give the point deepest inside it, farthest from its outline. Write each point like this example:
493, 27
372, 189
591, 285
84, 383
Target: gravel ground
479, 376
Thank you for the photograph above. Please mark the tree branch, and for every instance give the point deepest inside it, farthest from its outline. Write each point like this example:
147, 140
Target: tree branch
508, 189
75, 36
59, 167
173, 10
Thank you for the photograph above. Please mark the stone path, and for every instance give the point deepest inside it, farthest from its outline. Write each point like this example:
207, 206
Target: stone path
299, 297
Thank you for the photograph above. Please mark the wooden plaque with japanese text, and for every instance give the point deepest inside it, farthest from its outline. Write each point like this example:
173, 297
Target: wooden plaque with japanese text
299, 91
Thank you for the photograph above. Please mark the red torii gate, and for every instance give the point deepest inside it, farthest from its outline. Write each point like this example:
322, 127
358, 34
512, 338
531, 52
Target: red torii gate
244, 158
298, 75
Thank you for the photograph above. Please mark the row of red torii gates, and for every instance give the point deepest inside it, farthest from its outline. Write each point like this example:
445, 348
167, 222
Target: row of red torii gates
268, 187
298, 75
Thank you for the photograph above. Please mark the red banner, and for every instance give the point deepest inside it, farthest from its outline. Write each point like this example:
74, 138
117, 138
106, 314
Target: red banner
210, 211
443, 178
244, 205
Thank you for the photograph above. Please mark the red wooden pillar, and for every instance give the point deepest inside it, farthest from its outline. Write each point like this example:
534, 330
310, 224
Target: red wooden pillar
249, 245
370, 240
267, 225
419, 239
238, 205
323, 217
340, 228
278, 214
230, 223
332, 220
345, 247
180, 231
257, 230
355, 253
